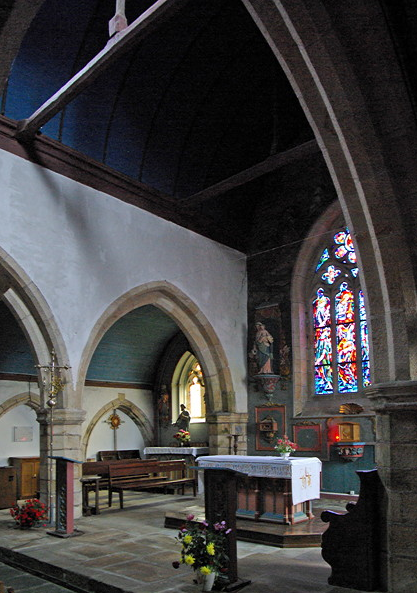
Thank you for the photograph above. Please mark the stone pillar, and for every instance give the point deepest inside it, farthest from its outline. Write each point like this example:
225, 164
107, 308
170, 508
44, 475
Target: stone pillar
66, 443
225, 430
395, 405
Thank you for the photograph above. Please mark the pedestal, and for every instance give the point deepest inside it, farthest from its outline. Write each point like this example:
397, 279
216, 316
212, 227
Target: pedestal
64, 519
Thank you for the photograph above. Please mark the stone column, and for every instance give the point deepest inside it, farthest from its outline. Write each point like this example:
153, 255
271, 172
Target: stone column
395, 405
225, 430
66, 443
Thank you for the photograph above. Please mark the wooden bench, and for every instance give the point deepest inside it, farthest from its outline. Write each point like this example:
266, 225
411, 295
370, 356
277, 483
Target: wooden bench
98, 468
165, 475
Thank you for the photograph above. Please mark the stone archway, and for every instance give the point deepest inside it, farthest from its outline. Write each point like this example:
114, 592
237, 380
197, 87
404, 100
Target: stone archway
355, 98
193, 324
131, 410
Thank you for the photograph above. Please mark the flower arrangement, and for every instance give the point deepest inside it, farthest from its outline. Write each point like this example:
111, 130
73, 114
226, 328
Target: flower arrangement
183, 436
31, 514
203, 547
284, 445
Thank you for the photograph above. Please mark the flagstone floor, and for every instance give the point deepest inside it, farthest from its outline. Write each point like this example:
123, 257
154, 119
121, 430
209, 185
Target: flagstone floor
130, 551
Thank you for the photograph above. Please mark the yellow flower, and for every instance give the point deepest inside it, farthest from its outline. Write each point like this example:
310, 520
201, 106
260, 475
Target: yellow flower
189, 560
187, 539
205, 570
210, 549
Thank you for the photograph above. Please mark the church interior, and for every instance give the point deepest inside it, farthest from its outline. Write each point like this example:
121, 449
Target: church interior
208, 225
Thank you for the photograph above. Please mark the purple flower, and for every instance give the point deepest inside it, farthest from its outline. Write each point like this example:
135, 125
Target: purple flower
190, 517
227, 531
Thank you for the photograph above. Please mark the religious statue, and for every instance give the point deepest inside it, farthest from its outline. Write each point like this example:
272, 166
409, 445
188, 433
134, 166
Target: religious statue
183, 420
163, 407
262, 350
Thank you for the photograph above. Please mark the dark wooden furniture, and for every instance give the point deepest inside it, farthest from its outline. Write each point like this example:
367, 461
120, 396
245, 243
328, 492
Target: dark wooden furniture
8, 487
352, 544
113, 455
131, 474
27, 472
149, 474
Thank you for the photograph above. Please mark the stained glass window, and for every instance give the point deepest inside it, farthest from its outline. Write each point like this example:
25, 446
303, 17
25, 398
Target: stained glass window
341, 346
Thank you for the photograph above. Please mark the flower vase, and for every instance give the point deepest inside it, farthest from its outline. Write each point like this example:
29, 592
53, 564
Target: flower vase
208, 581
285, 455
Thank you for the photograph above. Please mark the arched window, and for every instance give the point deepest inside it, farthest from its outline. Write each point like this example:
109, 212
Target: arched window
341, 347
188, 387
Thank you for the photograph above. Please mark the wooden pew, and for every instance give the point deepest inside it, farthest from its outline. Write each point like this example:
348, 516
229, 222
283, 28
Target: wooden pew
169, 474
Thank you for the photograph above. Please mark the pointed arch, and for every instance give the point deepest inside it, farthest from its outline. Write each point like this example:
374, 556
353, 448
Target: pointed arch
32, 400
128, 408
308, 44
195, 326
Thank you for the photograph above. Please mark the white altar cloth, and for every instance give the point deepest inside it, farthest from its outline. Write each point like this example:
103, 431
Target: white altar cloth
304, 472
194, 451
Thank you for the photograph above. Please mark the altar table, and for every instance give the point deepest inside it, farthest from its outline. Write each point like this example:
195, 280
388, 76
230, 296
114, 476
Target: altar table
188, 453
271, 488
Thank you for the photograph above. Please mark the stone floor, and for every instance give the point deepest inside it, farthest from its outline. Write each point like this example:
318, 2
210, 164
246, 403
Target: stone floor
130, 551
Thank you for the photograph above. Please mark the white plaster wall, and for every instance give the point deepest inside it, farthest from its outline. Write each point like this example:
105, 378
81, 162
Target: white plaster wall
20, 416
83, 249
102, 438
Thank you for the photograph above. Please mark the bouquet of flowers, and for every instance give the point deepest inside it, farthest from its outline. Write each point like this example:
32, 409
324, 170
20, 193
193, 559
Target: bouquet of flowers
203, 547
284, 445
183, 436
31, 514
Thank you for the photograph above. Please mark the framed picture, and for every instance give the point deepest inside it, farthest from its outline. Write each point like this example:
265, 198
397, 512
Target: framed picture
22, 434
307, 436
270, 424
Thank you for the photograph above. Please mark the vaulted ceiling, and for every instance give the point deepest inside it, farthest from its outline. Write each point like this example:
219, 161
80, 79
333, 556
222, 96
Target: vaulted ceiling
197, 101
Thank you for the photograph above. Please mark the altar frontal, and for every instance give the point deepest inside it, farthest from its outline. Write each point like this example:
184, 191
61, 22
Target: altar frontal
271, 488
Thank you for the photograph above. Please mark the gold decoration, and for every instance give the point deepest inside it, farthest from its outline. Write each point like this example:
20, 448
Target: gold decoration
350, 408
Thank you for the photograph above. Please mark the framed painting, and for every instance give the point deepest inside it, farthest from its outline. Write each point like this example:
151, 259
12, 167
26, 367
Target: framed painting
307, 436
270, 424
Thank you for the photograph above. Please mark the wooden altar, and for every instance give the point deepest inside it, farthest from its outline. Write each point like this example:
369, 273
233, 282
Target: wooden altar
270, 488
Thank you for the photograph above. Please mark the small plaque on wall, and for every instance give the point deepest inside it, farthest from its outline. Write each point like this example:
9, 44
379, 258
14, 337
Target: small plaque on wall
270, 425
307, 436
22, 434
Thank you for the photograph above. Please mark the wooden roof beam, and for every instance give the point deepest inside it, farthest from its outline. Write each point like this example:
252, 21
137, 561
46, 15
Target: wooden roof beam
119, 44
270, 164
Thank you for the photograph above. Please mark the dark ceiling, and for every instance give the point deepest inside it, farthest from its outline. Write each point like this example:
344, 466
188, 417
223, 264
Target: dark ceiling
199, 100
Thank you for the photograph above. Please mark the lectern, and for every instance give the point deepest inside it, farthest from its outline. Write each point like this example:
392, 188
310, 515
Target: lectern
64, 513
220, 505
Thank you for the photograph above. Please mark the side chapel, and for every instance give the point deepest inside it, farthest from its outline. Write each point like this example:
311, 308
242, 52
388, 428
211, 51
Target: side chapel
212, 205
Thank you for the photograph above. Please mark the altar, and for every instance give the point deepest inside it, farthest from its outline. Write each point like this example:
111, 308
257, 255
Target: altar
271, 488
190, 454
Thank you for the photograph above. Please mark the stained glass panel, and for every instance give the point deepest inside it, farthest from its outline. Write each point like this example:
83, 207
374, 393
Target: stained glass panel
323, 346
331, 275
323, 258
346, 342
344, 303
321, 309
347, 377
323, 380
343, 348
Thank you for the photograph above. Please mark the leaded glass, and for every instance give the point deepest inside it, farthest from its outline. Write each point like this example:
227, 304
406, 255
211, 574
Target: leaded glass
347, 377
323, 380
346, 346
338, 328
323, 258
331, 275
321, 309
344, 303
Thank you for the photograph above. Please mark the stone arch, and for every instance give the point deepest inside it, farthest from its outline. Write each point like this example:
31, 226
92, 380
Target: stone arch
373, 187
195, 326
33, 314
32, 400
131, 410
